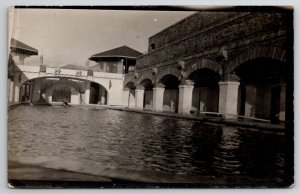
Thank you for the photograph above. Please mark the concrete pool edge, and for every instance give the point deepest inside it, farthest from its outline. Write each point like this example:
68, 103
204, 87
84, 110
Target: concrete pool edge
260, 126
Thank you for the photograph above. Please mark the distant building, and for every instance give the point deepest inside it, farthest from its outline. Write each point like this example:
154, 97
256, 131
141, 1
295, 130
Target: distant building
117, 60
18, 52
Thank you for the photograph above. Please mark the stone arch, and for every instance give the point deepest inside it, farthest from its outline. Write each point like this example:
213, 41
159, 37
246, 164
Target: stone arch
166, 71
67, 82
130, 85
129, 78
147, 75
259, 52
202, 63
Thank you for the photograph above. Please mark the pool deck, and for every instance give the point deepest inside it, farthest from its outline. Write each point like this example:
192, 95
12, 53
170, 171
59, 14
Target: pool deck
240, 123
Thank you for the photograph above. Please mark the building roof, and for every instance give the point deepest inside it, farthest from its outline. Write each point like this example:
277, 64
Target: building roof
74, 67
20, 47
123, 51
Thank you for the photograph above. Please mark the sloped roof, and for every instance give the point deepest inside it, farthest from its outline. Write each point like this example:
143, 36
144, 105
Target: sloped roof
20, 47
123, 51
74, 67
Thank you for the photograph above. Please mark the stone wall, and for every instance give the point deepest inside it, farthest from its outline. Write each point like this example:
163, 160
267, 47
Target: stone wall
236, 33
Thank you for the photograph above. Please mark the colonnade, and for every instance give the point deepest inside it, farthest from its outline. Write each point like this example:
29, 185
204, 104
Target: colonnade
228, 97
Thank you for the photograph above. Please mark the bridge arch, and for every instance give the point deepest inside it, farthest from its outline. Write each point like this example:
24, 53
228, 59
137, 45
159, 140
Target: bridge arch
84, 91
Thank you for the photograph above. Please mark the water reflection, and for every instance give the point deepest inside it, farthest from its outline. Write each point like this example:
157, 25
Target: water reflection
144, 143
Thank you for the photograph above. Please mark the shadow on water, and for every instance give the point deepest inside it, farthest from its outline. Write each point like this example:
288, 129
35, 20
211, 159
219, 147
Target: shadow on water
126, 143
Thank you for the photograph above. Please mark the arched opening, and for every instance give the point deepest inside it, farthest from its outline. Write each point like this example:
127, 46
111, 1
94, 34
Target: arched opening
171, 93
98, 94
131, 98
262, 89
206, 90
25, 90
148, 94
62, 93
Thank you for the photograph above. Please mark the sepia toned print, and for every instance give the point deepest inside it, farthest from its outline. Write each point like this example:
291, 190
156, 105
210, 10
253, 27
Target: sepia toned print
148, 97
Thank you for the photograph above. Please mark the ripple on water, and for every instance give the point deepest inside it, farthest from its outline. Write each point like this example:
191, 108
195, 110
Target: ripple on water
145, 143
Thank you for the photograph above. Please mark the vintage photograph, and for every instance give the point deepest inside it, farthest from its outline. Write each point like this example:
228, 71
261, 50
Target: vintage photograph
150, 97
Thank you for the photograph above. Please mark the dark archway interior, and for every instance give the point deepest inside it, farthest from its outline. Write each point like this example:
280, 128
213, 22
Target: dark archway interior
206, 90
62, 94
171, 93
170, 81
204, 77
261, 70
147, 84
262, 89
98, 94
148, 94
130, 85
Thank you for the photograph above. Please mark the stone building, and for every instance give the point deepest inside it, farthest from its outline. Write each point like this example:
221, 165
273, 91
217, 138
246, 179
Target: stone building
232, 63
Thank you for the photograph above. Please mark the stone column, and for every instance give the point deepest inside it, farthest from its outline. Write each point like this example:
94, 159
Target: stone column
11, 91
158, 98
125, 97
228, 98
185, 97
139, 97
102, 95
16, 87
87, 93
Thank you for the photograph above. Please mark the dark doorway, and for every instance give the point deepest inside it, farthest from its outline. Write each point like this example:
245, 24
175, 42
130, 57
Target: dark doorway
94, 93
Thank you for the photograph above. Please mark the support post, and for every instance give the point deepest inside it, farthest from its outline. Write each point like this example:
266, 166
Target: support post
158, 98
87, 93
125, 97
139, 97
185, 97
228, 98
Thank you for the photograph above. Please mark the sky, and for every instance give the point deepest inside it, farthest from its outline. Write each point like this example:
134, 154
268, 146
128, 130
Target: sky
66, 36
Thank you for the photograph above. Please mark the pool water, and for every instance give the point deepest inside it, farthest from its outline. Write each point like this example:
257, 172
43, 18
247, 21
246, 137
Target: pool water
123, 141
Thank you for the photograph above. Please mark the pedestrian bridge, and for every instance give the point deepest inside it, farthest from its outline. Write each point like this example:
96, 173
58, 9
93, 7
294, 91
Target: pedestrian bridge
37, 84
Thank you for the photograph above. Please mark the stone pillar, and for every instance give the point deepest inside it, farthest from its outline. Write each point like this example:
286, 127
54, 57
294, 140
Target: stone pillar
87, 93
228, 98
11, 91
125, 97
102, 96
158, 98
17, 93
185, 97
139, 97
16, 97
